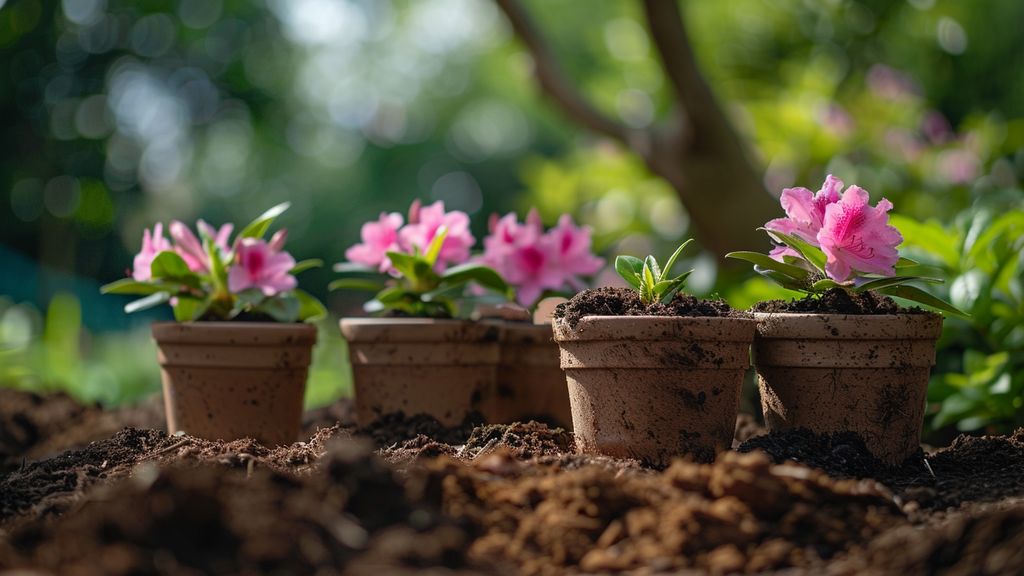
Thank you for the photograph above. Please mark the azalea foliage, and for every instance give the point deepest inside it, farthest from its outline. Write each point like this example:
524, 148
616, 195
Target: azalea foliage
837, 239
210, 277
421, 268
653, 282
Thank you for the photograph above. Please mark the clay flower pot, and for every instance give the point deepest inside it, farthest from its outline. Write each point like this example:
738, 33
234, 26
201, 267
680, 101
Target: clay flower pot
834, 372
442, 368
653, 387
230, 380
531, 383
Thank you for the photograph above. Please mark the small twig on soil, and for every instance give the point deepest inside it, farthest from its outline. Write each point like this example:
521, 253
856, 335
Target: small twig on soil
929, 467
167, 449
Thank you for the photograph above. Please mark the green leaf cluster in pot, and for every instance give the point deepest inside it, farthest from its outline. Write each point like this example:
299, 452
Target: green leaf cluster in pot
653, 282
416, 287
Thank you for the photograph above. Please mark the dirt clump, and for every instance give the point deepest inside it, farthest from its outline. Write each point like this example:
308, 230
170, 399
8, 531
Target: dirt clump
35, 425
971, 469
208, 520
523, 439
838, 301
626, 302
397, 428
742, 513
49, 487
989, 543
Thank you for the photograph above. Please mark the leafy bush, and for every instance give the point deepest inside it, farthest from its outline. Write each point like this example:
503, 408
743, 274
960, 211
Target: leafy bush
979, 379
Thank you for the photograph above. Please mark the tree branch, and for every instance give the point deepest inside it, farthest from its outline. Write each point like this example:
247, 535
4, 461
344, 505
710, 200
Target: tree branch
552, 79
697, 101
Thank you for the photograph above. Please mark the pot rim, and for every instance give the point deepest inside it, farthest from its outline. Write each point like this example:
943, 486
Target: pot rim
720, 328
214, 332
812, 326
419, 330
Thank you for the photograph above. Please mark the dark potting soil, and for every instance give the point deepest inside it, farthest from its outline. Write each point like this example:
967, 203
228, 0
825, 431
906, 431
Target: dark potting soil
838, 301
509, 499
396, 428
971, 469
33, 425
626, 302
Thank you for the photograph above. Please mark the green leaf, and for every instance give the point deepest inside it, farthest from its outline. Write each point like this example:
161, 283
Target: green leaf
783, 280
147, 302
767, 262
630, 268
169, 265
282, 308
258, 227
812, 254
930, 237
434, 250
355, 284
904, 262
894, 281
132, 286
392, 295
188, 309
675, 256
345, 267
304, 265
826, 284
250, 297
915, 294
404, 263
482, 275
310, 309
652, 263
648, 276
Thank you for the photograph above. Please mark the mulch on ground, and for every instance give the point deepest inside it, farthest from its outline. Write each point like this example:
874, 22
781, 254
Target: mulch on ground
412, 495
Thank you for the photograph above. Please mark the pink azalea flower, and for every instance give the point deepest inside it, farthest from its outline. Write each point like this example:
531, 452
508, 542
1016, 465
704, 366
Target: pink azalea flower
191, 250
780, 252
423, 225
152, 244
533, 261
573, 244
379, 238
805, 210
259, 266
857, 237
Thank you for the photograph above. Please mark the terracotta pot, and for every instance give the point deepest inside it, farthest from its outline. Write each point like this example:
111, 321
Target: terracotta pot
230, 380
531, 383
442, 368
652, 388
836, 372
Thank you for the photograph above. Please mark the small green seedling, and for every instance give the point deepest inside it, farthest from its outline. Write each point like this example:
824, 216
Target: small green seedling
652, 281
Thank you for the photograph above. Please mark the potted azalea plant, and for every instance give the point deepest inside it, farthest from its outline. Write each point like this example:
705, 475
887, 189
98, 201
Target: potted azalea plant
420, 356
653, 373
537, 264
234, 363
845, 357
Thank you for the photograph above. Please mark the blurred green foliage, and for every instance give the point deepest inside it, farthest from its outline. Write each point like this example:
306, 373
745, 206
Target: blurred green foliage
121, 113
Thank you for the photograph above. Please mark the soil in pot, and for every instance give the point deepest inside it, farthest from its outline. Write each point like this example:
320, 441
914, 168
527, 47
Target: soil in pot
445, 369
652, 382
229, 380
863, 369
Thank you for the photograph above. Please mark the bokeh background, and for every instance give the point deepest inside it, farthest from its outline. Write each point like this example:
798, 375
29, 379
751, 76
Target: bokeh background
119, 113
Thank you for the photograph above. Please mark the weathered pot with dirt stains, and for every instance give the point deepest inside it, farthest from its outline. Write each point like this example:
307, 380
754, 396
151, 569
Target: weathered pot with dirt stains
230, 380
530, 381
652, 387
835, 372
442, 368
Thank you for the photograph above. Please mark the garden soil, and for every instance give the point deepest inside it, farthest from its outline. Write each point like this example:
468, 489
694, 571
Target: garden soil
626, 302
838, 301
412, 496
